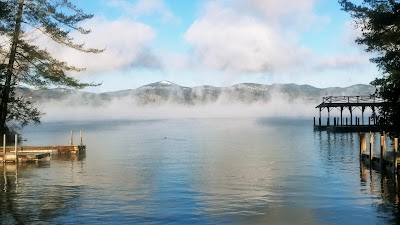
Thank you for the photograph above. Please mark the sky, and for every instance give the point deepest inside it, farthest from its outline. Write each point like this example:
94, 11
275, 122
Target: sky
219, 43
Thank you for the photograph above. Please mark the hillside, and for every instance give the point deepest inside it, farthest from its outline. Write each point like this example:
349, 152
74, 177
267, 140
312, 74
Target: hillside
167, 92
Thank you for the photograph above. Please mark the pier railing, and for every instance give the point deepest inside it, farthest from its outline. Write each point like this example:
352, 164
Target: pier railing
352, 99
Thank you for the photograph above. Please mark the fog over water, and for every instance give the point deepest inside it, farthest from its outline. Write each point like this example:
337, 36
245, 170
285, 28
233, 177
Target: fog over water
126, 108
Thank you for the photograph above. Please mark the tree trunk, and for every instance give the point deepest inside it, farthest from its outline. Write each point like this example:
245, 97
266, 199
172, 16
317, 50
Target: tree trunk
5, 95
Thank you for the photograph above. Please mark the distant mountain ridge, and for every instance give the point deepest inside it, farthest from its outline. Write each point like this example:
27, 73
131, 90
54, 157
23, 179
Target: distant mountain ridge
167, 92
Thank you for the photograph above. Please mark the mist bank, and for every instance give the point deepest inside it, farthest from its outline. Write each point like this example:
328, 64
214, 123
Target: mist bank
165, 100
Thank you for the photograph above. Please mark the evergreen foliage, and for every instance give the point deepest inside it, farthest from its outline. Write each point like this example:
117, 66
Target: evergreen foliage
379, 22
22, 61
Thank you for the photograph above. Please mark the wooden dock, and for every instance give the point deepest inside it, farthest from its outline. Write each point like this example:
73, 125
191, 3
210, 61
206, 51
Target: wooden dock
350, 123
36, 153
24, 157
386, 161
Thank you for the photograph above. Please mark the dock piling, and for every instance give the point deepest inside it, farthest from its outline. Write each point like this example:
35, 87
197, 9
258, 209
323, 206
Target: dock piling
71, 141
16, 148
81, 137
371, 146
363, 144
4, 144
395, 149
382, 152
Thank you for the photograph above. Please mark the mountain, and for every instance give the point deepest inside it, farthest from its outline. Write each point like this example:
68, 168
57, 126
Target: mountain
167, 92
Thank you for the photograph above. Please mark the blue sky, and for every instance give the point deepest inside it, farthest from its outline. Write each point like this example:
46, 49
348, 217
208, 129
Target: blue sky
220, 43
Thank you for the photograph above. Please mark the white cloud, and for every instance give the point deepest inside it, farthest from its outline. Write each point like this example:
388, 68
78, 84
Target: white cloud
224, 38
127, 44
342, 61
287, 13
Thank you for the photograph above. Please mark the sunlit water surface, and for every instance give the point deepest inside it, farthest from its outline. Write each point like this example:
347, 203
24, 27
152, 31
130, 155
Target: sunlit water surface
208, 171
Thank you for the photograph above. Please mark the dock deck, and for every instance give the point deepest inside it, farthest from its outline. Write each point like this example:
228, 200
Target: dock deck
37, 153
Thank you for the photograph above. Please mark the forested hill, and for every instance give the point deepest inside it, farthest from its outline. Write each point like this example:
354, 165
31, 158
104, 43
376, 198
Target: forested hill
167, 92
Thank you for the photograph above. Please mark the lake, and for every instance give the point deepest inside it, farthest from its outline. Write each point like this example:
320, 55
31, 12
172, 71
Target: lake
196, 171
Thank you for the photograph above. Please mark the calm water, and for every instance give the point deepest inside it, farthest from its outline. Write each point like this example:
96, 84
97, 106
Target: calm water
210, 171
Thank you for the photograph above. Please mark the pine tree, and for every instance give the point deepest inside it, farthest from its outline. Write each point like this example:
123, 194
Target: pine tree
23, 62
380, 25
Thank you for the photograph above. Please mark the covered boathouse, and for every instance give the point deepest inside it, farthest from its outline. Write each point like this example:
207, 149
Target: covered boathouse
349, 114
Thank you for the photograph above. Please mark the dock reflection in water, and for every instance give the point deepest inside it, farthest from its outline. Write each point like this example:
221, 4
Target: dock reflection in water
383, 189
29, 196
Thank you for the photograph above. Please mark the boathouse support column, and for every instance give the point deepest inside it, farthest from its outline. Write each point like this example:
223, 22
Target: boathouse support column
362, 115
373, 115
341, 116
351, 115
319, 117
329, 117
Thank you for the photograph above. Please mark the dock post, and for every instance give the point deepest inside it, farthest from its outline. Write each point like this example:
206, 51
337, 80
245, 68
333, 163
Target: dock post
81, 137
4, 144
384, 139
396, 146
363, 144
346, 121
382, 152
314, 121
334, 121
327, 122
71, 141
16, 146
371, 146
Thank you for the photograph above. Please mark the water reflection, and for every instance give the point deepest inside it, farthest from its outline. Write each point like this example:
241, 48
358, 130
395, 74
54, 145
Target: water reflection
383, 190
240, 171
29, 196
